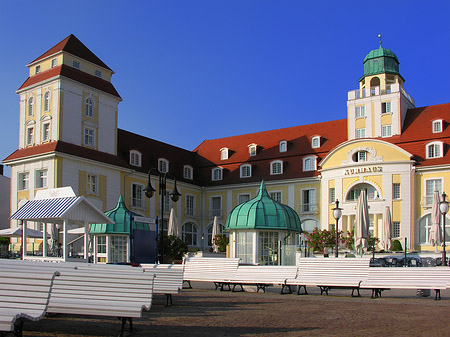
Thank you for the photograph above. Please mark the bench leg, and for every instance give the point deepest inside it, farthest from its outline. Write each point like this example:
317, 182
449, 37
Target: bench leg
438, 294
353, 292
222, 286
124, 323
234, 287
376, 293
288, 289
18, 328
168, 300
324, 289
218, 285
300, 288
260, 287
189, 284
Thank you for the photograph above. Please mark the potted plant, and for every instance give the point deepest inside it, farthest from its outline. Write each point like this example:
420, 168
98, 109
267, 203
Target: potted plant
174, 249
221, 240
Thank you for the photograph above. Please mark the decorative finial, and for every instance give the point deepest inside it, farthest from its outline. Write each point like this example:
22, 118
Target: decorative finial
379, 36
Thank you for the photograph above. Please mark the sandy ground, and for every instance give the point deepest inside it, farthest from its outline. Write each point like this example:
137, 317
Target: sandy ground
204, 312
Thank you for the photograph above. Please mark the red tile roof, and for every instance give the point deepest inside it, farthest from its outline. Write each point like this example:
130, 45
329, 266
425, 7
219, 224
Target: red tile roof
73, 46
74, 74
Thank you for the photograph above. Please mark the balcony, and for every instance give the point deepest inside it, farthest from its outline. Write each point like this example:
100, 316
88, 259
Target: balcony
191, 213
427, 201
376, 91
308, 209
215, 212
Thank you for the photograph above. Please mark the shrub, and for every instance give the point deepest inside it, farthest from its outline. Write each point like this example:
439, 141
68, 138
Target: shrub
397, 246
221, 240
317, 240
174, 247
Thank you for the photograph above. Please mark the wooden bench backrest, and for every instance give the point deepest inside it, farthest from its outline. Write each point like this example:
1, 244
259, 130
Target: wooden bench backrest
209, 268
331, 268
168, 277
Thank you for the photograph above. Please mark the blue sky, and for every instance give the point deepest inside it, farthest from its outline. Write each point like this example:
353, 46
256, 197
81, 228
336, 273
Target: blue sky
194, 70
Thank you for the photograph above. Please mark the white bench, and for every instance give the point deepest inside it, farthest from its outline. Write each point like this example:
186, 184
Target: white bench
168, 279
261, 277
329, 273
23, 295
209, 269
380, 279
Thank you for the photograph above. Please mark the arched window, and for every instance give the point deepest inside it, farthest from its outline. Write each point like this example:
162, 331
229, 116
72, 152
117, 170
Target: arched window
189, 233
283, 145
360, 156
30, 106
434, 150
252, 149
89, 107
216, 174
309, 164
47, 101
135, 158
210, 228
354, 193
188, 172
163, 165
276, 167
224, 153
246, 171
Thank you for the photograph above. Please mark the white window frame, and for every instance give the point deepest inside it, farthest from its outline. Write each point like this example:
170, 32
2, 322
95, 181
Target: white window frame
310, 168
247, 196
137, 195
252, 149
311, 206
224, 153
386, 131
92, 183
30, 105
360, 111
315, 142
163, 165
41, 178
396, 229
23, 181
46, 132
89, 136
396, 191
190, 205
98, 73
245, 171
188, 172
135, 158
30, 135
436, 153
216, 174
428, 197
37, 70
54, 63
331, 195
89, 107
215, 211
47, 101
274, 195
193, 234
437, 126
283, 145
274, 165
360, 133
386, 107
76, 64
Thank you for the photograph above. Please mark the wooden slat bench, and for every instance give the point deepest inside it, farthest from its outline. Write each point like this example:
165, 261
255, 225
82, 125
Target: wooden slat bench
168, 279
209, 269
261, 277
23, 295
380, 279
329, 273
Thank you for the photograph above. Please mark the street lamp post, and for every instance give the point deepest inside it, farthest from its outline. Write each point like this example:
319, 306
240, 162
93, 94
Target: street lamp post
175, 195
337, 212
443, 207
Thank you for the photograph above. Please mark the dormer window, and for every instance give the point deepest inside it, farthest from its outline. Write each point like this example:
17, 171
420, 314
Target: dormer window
98, 73
216, 174
135, 158
360, 156
276, 167
37, 70
437, 126
246, 171
252, 150
283, 145
54, 63
224, 153
309, 164
188, 172
434, 150
315, 143
76, 64
163, 165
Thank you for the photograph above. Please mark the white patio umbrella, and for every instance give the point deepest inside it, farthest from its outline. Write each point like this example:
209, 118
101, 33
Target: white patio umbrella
385, 237
361, 223
435, 231
17, 232
215, 231
173, 224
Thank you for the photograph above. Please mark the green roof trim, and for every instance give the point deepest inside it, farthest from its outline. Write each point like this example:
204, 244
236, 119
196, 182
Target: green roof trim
381, 61
262, 212
121, 216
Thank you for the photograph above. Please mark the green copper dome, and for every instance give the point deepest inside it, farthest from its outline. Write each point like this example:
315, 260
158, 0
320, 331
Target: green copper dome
380, 61
262, 212
121, 216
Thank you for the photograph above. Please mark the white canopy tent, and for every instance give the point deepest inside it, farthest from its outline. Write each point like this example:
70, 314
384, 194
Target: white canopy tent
59, 206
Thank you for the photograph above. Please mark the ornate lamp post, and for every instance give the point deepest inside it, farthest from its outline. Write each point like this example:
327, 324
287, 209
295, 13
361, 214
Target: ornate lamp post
337, 213
175, 195
443, 207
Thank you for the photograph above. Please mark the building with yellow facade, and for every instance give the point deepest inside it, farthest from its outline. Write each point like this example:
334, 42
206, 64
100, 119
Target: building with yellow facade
69, 136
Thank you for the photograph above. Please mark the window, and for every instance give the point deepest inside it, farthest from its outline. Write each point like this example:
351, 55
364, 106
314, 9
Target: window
135, 158
92, 184
395, 191
163, 165
89, 137
283, 146
76, 64
167, 203
101, 248
360, 133
45, 132
396, 229
434, 150
246, 171
360, 111
89, 107
54, 63
360, 156
308, 200
37, 70
315, 142
243, 198
276, 167
252, 150
354, 193
210, 229
244, 246
47, 101
432, 185
216, 174
224, 153
24, 179
41, 179
216, 206
188, 172
189, 233
30, 136
137, 199
331, 195
275, 196
268, 248
118, 249
385, 107
98, 73
30, 106
190, 205
386, 130
309, 164
437, 126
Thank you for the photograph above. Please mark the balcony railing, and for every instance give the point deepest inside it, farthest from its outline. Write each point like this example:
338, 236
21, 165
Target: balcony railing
308, 208
215, 212
427, 201
375, 91
191, 212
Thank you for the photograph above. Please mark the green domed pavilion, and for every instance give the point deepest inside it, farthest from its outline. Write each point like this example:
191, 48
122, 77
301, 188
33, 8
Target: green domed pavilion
381, 61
